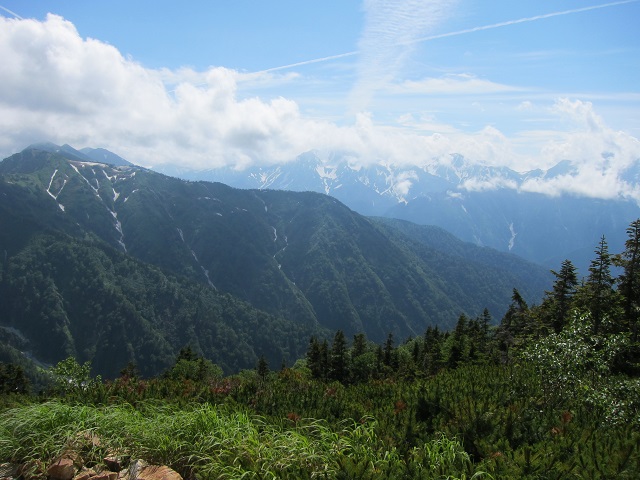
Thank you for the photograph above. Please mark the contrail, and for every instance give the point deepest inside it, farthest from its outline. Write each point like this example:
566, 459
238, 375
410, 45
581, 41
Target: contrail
307, 62
460, 32
12, 13
523, 20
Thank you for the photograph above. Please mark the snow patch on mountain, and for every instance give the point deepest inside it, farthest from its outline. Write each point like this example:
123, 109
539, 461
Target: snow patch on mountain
127, 197
109, 177
95, 190
267, 179
51, 181
328, 175
118, 226
55, 196
512, 240
205, 272
324, 171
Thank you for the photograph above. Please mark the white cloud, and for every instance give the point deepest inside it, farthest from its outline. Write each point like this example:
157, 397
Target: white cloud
588, 183
588, 138
479, 185
459, 84
60, 87
391, 30
402, 183
425, 123
488, 146
525, 105
580, 113
599, 154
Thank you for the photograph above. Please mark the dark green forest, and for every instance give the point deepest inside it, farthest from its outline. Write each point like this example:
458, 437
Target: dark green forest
117, 264
69, 297
550, 390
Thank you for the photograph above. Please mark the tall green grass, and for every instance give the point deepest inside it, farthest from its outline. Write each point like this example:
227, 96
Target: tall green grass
216, 442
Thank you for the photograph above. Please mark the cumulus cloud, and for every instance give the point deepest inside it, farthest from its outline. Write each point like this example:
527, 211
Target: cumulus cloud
60, 87
589, 141
586, 182
601, 156
580, 113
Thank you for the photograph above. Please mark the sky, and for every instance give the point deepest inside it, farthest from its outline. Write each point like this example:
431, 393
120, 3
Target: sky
204, 84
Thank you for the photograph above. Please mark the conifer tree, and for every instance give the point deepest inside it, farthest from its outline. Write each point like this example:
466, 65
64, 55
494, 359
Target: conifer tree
558, 303
318, 358
597, 295
388, 350
359, 345
262, 367
476, 339
324, 359
338, 365
416, 352
379, 359
314, 358
389, 354
432, 361
514, 323
483, 343
458, 343
629, 280
485, 321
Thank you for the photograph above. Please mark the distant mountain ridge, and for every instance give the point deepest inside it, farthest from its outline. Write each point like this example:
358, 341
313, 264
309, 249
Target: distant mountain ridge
494, 213
303, 262
99, 155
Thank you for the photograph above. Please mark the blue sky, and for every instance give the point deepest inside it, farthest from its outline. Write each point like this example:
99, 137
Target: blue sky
205, 83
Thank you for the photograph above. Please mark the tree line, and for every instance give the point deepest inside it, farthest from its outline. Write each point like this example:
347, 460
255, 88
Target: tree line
611, 303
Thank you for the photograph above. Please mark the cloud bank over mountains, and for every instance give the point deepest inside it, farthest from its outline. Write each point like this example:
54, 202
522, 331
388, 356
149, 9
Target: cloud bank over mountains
60, 87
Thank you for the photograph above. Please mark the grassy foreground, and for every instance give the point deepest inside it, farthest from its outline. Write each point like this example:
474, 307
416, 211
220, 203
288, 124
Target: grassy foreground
215, 442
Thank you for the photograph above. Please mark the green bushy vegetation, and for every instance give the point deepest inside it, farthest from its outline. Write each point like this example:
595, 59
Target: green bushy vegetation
219, 442
553, 391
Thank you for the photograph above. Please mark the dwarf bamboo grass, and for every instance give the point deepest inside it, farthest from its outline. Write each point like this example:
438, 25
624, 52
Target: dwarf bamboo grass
215, 442
212, 442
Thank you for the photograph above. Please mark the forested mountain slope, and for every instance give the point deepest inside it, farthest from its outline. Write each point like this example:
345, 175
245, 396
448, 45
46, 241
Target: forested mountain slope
302, 260
488, 206
71, 297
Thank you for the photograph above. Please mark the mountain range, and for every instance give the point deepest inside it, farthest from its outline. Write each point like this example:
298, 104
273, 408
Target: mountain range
115, 263
540, 228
